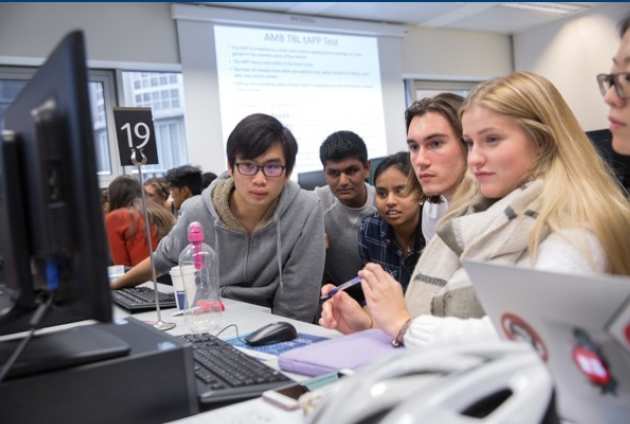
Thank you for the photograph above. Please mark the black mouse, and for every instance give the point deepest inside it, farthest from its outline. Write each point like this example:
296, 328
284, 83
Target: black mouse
272, 333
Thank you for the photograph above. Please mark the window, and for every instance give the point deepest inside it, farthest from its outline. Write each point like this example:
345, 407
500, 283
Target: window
9, 89
99, 121
162, 92
419, 89
101, 93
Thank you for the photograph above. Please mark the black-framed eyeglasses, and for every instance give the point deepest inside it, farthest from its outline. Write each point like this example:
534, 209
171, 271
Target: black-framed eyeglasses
620, 80
250, 169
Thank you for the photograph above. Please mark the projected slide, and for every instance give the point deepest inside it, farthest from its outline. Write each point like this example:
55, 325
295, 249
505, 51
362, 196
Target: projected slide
314, 83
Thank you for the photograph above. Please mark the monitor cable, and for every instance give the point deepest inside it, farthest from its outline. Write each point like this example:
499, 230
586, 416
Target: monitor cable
52, 278
225, 328
34, 322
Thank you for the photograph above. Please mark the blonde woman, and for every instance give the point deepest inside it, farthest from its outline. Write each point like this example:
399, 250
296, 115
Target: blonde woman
536, 195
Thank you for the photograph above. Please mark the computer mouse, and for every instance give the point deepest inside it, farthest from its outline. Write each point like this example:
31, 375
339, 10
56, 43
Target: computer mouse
272, 333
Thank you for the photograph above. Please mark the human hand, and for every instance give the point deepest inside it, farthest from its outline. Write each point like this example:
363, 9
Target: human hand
341, 312
385, 299
117, 283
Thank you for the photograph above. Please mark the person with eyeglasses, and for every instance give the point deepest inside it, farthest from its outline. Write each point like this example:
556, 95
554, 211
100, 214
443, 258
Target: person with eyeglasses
615, 88
267, 232
536, 195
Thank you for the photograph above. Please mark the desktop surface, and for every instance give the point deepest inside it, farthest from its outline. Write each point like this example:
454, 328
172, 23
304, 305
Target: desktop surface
247, 317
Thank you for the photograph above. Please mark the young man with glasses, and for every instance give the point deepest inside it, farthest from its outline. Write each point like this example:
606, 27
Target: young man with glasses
267, 232
345, 200
615, 88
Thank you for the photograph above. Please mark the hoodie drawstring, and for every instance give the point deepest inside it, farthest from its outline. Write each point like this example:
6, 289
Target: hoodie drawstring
215, 244
278, 250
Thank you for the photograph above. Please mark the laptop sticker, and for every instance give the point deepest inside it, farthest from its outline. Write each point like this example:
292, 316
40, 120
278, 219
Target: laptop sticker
619, 326
515, 328
590, 360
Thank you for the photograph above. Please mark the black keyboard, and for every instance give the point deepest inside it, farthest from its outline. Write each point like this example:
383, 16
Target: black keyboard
225, 374
136, 299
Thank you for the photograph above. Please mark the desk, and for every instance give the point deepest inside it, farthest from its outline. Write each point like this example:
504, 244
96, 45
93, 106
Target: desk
248, 317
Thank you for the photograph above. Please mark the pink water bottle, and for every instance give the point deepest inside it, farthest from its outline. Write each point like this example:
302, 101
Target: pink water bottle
198, 264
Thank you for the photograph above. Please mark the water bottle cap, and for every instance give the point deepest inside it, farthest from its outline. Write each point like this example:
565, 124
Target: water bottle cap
195, 232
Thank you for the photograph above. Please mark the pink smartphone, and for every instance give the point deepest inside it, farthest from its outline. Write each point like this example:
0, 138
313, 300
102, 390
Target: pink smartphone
286, 397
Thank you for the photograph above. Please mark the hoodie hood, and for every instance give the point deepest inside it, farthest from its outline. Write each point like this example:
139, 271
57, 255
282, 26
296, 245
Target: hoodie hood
217, 199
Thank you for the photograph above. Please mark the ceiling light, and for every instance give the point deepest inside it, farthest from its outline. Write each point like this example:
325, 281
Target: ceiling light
559, 8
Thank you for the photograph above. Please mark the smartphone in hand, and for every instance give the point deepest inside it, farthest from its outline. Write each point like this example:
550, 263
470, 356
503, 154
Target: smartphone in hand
286, 397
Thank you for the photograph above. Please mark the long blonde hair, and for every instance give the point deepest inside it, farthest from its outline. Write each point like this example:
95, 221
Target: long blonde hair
579, 190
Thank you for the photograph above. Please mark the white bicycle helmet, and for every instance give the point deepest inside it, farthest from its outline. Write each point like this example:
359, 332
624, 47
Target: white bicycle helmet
491, 384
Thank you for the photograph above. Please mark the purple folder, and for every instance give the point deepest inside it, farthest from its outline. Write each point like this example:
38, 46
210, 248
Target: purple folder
350, 351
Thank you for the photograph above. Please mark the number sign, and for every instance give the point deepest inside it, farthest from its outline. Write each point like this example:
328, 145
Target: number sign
134, 130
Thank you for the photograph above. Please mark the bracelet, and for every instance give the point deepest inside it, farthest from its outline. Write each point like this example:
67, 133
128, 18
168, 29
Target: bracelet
399, 340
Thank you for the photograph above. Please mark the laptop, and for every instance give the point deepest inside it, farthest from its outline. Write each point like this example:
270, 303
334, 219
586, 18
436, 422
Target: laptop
579, 325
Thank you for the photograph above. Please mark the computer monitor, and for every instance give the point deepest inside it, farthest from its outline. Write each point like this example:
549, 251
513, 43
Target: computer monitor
374, 163
311, 180
51, 224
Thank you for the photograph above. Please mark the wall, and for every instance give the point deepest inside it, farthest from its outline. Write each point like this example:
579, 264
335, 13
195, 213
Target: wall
451, 53
144, 36
570, 53
196, 40
121, 32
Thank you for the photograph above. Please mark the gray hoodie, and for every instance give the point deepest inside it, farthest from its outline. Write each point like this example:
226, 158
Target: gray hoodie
279, 265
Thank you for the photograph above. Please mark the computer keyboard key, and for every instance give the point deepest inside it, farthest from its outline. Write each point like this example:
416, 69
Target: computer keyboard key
225, 374
137, 299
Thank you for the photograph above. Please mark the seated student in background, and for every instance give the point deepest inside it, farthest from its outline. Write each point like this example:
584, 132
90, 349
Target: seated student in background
206, 179
156, 189
345, 200
537, 195
124, 222
392, 237
267, 232
104, 201
615, 88
437, 152
184, 182
438, 157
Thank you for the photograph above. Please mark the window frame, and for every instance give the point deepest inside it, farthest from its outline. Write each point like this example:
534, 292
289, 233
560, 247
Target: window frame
413, 85
106, 78
133, 170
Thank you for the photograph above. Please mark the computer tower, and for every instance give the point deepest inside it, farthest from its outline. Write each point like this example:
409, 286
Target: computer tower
153, 383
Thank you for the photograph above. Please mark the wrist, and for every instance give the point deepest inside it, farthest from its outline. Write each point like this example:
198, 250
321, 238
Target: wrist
371, 321
398, 324
399, 340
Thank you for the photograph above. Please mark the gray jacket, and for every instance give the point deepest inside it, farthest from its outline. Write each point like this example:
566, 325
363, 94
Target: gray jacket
280, 265
342, 227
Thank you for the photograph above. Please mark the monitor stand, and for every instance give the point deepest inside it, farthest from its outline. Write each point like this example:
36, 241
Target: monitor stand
63, 349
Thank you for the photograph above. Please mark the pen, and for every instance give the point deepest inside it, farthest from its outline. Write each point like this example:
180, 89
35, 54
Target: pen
347, 284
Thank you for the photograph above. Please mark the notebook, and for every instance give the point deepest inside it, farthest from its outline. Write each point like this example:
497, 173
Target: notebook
351, 351
580, 326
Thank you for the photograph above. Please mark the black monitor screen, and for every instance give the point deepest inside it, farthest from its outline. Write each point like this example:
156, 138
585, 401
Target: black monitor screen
51, 224
374, 163
311, 180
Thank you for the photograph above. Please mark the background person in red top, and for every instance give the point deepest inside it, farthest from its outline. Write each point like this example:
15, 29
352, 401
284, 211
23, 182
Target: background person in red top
125, 222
